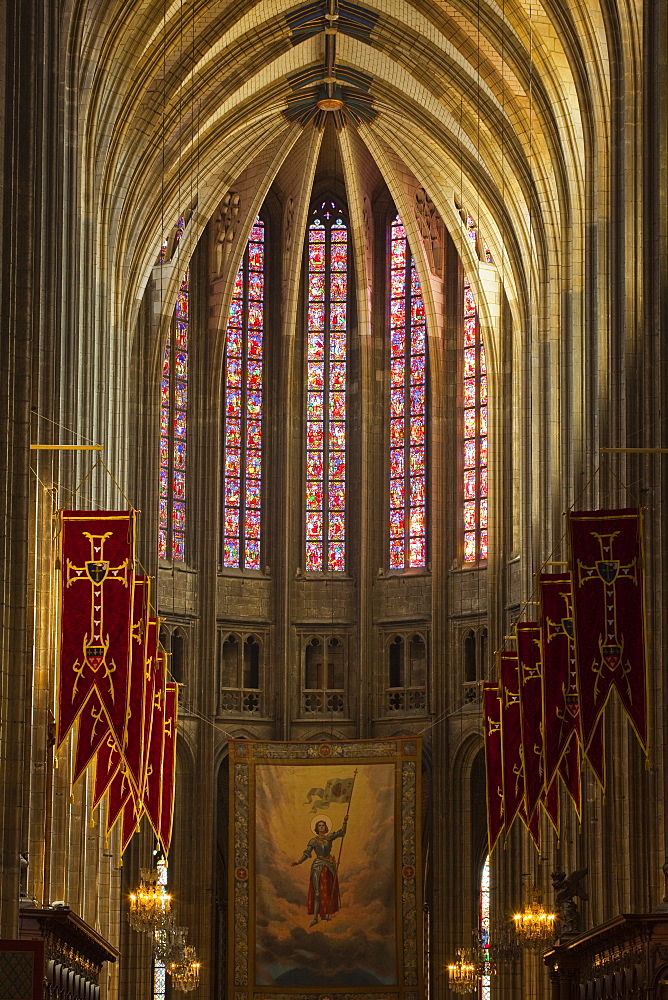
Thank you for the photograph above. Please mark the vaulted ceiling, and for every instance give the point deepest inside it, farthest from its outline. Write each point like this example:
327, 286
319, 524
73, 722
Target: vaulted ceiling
498, 106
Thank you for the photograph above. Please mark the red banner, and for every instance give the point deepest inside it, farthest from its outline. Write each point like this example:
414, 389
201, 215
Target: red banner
134, 749
561, 703
97, 569
92, 730
493, 765
550, 801
531, 708
120, 791
169, 765
609, 616
130, 820
511, 738
152, 800
107, 763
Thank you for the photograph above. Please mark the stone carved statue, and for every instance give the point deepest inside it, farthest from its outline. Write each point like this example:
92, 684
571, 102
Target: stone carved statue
566, 887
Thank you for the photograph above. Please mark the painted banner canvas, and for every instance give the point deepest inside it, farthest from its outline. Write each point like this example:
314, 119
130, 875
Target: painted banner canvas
325, 893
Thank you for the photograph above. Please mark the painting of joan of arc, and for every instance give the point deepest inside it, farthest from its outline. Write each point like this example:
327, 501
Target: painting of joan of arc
324, 898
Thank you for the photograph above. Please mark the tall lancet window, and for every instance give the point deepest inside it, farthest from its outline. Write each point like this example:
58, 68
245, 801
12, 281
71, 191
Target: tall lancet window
408, 407
173, 411
326, 377
475, 433
243, 391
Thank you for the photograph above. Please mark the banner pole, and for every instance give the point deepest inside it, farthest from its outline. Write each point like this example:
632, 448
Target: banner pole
345, 820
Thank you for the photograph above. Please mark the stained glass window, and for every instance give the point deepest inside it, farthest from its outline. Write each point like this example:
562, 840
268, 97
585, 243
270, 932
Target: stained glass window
243, 413
485, 981
173, 419
326, 390
408, 407
475, 433
159, 972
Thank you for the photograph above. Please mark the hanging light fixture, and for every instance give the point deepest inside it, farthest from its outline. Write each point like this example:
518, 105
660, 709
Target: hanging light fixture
150, 904
185, 971
170, 942
535, 926
464, 973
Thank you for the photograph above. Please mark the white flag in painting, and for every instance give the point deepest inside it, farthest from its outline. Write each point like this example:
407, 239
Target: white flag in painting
336, 790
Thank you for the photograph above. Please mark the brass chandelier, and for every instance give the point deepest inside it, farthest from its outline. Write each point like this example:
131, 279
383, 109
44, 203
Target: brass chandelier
185, 970
463, 974
150, 904
535, 926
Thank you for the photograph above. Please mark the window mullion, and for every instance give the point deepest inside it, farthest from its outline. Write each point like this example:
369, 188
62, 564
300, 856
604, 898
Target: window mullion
326, 400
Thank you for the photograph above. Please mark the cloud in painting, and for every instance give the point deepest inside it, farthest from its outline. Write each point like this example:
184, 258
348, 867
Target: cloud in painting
358, 944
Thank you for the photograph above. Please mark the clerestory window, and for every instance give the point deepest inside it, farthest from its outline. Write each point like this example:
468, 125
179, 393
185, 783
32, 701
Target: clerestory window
173, 420
408, 408
243, 391
326, 390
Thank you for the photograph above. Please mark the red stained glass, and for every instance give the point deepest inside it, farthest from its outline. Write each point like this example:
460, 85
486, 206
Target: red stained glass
337, 405
316, 286
418, 491
397, 432
397, 402
475, 435
233, 403
337, 317
417, 463
253, 493
316, 376
326, 391
398, 313
397, 523
417, 312
252, 558
232, 491
234, 372
314, 406
174, 401
252, 527
337, 375
253, 434
337, 557
337, 465
314, 466
418, 431
256, 287
396, 553
180, 455
338, 288
417, 370
242, 483
337, 525
314, 495
316, 316
314, 435
396, 464
231, 552
337, 435
178, 486
417, 552
416, 521
234, 343
337, 346
396, 493
418, 400
314, 556
337, 497
231, 522
397, 370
